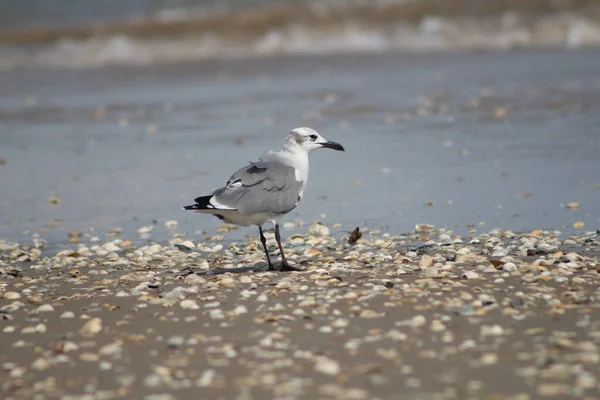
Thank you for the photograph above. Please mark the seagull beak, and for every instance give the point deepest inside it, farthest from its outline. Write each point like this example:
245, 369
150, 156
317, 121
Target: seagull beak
332, 145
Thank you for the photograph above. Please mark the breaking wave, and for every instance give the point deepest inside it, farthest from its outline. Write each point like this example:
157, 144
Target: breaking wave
174, 35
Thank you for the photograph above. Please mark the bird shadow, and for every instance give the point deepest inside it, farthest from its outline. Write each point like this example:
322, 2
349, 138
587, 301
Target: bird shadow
237, 270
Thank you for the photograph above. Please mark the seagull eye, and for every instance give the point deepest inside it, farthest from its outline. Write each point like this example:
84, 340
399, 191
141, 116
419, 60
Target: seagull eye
313, 137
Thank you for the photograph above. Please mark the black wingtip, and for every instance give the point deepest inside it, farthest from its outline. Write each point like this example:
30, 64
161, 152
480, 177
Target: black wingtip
192, 207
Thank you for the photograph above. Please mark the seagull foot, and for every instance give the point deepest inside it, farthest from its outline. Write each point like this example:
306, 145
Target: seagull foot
285, 267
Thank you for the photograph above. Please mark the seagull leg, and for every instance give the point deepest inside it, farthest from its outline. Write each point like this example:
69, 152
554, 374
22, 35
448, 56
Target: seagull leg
284, 264
263, 240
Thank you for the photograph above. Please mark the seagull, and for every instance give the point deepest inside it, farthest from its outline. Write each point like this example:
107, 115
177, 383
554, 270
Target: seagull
266, 190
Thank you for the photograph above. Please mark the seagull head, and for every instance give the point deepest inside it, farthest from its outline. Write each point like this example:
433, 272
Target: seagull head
308, 140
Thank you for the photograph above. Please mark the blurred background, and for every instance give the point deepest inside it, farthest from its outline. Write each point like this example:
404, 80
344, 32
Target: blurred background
76, 33
467, 114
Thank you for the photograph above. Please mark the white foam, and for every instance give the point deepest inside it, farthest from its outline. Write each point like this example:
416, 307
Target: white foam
432, 34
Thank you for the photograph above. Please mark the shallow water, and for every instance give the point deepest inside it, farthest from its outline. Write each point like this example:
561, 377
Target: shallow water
491, 139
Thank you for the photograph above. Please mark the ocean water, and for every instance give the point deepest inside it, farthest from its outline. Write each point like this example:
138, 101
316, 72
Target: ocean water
461, 140
87, 33
461, 114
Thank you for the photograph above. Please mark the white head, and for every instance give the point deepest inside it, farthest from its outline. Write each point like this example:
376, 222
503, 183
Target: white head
306, 139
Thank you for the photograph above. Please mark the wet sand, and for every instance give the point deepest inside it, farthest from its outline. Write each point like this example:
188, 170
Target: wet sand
424, 316
457, 140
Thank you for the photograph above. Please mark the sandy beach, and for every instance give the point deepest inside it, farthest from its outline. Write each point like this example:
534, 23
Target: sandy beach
424, 316
471, 170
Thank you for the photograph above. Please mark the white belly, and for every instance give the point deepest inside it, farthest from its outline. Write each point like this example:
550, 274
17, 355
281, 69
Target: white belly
237, 218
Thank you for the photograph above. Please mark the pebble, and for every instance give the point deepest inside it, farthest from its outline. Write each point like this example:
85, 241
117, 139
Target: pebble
112, 349
92, 327
240, 310
371, 314
424, 228
67, 314
145, 230
175, 341
491, 330
40, 364
327, 366
437, 326
318, 230
340, 323
45, 308
171, 224
206, 379
426, 262
470, 275
189, 304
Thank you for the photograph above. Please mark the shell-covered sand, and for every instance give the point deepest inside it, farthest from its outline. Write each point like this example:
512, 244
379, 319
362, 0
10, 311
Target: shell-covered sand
429, 315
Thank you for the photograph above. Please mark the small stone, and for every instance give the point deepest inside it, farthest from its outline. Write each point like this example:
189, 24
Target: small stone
371, 314
39, 328
586, 380
54, 200
579, 225
11, 295
189, 304
489, 358
470, 275
572, 206
35, 299
437, 326
216, 314
319, 230
327, 366
417, 321
193, 279
92, 327
65, 347
227, 282
509, 267
17, 372
206, 379
424, 228
239, 310
552, 389
397, 336
426, 262
145, 230
89, 357
171, 224
340, 323
67, 314
111, 247
45, 308
40, 364
112, 349
175, 341
491, 330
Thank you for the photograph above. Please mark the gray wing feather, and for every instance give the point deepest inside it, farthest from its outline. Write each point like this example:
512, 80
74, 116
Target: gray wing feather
261, 187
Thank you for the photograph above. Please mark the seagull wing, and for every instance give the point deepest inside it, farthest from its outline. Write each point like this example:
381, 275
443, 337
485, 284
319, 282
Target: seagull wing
268, 187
